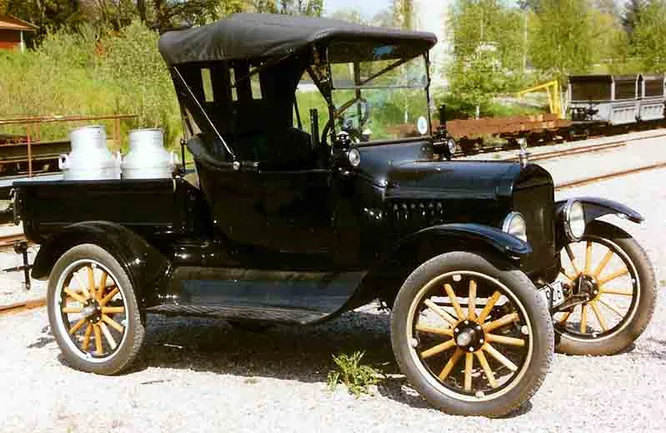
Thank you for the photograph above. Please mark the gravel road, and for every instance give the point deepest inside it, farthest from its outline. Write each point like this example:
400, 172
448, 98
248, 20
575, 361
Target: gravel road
203, 375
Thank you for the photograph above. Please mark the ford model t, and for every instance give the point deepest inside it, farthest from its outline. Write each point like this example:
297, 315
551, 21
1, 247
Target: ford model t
319, 187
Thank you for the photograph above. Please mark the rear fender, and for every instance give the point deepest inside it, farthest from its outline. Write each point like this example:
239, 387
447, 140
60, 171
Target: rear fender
144, 264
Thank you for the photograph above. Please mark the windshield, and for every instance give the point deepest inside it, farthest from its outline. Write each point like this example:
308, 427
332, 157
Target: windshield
377, 93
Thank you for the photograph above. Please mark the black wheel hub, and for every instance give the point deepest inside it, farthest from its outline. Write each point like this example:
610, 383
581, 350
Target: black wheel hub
93, 311
468, 336
587, 287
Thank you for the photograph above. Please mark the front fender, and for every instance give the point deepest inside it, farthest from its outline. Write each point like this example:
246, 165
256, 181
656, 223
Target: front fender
385, 277
596, 207
144, 264
448, 235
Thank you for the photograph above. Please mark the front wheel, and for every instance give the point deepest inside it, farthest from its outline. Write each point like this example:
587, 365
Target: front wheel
611, 276
471, 338
93, 311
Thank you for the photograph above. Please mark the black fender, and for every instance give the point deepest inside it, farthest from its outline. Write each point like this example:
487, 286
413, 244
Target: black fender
470, 235
596, 207
144, 264
385, 277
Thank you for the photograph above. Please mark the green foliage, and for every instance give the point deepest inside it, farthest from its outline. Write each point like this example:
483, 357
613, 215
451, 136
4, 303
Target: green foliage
486, 60
77, 73
649, 37
561, 37
352, 373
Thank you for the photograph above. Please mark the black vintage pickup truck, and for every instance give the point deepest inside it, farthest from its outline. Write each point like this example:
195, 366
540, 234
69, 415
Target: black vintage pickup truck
484, 272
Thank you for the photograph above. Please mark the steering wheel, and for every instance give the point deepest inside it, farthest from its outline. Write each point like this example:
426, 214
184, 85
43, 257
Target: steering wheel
353, 132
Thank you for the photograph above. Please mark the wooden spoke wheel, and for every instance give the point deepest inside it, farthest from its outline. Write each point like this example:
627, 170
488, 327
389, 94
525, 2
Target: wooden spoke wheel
93, 311
92, 308
475, 337
612, 282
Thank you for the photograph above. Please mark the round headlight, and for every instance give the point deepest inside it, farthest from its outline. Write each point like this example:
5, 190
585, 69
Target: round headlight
514, 224
451, 143
354, 157
574, 220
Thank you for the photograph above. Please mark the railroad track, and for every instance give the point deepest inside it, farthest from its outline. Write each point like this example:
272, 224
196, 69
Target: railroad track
21, 307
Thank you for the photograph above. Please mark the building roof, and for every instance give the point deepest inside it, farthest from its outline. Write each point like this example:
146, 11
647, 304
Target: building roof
243, 36
8, 22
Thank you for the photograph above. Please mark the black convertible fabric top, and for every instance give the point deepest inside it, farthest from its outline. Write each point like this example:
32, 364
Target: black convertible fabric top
247, 36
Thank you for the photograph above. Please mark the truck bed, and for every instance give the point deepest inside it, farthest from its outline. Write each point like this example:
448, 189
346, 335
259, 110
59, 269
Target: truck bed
147, 206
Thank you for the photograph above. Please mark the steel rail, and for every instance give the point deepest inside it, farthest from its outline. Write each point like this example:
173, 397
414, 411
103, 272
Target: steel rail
20, 307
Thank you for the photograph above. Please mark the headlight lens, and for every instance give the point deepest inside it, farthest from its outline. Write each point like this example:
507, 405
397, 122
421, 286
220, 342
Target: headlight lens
451, 144
574, 220
514, 224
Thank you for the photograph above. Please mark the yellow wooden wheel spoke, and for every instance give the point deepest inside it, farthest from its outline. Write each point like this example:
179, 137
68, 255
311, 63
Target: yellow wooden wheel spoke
499, 357
610, 307
113, 310
489, 306
91, 282
450, 364
564, 318
77, 326
86, 338
511, 341
600, 317
70, 310
471, 300
502, 321
572, 258
77, 297
616, 292
454, 301
109, 296
583, 320
440, 312
425, 328
115, 325
588, 257
486, 369
469, 364
82, 286
604, 262
99, 350
438, 349
614, 275
108, 336
102, 285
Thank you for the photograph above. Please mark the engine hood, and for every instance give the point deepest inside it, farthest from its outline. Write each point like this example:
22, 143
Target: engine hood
409, 171
452, 179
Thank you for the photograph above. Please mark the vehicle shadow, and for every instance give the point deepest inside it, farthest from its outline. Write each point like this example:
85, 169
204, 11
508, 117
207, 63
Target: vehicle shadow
284, 352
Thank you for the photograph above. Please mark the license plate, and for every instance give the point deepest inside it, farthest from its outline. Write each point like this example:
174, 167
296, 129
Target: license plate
553, 294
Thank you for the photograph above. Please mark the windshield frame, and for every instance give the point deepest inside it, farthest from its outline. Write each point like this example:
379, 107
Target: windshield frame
328, 88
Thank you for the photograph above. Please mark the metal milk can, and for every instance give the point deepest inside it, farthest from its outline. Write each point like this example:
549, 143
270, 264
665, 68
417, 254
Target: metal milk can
90, 158
147, 158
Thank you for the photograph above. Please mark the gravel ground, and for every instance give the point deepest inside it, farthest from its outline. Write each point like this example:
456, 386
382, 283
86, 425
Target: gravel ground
204, 375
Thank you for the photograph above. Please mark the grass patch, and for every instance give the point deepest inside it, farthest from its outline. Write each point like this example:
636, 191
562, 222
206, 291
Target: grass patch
352, 373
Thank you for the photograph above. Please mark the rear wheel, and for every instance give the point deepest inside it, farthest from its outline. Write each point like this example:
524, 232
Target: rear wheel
93, 311
471, 338
612, 276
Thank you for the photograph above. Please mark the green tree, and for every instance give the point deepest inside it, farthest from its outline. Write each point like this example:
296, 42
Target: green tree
561, 39
649, 37
487, 58
632, 13
403, 13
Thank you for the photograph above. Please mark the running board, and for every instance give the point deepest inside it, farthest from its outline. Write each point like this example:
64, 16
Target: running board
254, 314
